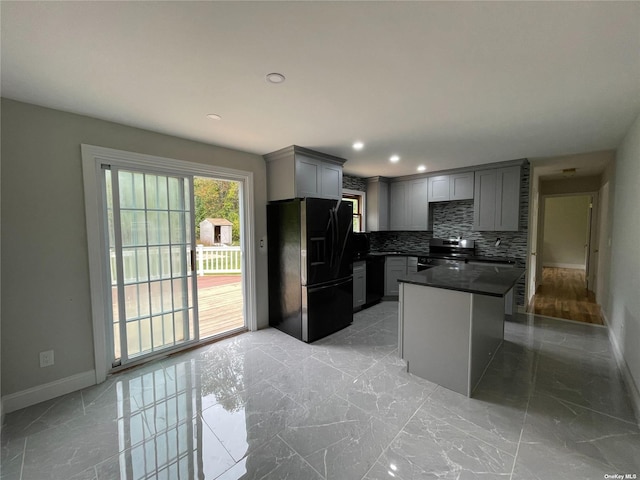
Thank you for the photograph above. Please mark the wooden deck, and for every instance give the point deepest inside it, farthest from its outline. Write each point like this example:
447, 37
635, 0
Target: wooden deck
220, 304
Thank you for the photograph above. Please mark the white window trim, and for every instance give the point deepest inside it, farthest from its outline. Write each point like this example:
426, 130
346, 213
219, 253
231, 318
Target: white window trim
93, 158
363, 219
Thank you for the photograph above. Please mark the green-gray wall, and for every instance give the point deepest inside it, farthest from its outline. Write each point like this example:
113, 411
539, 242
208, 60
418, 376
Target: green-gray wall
623, 305
566, 231
45, 272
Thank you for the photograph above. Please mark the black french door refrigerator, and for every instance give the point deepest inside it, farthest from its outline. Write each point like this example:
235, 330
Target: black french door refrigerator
310, 266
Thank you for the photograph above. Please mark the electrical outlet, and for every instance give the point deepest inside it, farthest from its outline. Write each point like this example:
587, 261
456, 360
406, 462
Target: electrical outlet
46, 358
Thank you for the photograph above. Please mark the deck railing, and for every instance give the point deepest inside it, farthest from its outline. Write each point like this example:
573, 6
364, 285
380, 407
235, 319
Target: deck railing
208, 260
218, 260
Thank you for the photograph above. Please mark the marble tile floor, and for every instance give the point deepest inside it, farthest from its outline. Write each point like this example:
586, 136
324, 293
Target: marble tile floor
263, 405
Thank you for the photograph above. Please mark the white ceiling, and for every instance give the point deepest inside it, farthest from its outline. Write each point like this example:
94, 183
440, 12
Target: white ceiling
443, 84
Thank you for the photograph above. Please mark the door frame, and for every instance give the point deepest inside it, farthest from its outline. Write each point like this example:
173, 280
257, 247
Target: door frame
592, 238
93, 157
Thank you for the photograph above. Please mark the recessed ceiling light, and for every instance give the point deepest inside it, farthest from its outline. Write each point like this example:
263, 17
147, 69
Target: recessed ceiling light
394, 158
275, 77
422, 168
358, 145
214, 116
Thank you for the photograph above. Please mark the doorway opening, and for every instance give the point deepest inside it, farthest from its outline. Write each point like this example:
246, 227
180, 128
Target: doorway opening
566, 266
143, 256
219, 256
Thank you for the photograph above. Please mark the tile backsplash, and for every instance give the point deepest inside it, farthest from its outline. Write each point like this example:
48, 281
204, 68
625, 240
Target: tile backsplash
453, 219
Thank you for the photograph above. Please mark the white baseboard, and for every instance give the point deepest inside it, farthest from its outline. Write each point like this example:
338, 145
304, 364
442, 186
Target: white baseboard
576, 266
47, 391
624, 369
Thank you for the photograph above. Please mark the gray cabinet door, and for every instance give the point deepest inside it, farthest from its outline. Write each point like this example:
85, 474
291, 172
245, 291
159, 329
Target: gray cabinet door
395, 267
398, 218
359, 284
439, 188
331, 183
461, 186
497, 199
377, 205
507, 198
417, 204
308, 177
484, 206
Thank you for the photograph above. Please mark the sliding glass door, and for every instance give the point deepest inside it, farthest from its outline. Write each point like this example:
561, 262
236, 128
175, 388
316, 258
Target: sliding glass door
152, 262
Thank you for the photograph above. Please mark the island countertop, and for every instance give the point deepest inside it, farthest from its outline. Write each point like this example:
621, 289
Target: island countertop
489, 280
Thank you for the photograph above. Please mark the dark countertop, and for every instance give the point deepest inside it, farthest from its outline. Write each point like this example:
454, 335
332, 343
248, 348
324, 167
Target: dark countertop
399, 253
482, 279
365, 256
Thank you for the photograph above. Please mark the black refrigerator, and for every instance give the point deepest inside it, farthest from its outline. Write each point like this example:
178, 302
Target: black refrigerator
310, 266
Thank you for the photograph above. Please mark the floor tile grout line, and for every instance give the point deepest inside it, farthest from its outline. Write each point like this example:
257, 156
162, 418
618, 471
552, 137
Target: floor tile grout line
84, 408
524, 422
589, 408
397, 434
24, 454
464, 431
526, 412
298, 454
235, 462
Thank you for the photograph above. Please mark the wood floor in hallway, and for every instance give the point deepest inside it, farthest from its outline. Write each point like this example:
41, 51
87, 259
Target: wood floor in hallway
563, 294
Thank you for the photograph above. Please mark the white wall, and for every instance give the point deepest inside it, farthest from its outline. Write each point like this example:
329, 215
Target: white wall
623, 306
45, 272
1, 409
565, 231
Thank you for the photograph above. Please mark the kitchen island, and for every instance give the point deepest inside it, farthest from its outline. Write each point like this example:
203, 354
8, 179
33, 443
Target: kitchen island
451, 321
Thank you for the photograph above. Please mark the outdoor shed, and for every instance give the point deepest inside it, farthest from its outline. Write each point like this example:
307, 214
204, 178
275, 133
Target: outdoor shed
216, 231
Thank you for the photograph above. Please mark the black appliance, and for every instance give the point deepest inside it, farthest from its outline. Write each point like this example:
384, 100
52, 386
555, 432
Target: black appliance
447, 252
375, 279
361, 245
310, 266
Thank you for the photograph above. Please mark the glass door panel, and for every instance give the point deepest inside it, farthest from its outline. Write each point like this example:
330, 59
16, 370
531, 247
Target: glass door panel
150, 218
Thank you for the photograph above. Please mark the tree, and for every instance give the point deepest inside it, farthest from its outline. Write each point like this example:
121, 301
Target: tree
217, 199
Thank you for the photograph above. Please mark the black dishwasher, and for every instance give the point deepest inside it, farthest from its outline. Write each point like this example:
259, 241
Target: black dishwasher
375, 279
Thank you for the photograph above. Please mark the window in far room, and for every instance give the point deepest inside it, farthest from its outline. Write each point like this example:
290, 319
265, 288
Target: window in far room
357, 200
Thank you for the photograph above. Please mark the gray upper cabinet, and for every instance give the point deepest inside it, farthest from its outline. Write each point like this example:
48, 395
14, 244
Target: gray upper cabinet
297, 172
398, 217
497, 199
461, 186
377, 204
408, 206
458, 186
439, 188
417, 204
507, 198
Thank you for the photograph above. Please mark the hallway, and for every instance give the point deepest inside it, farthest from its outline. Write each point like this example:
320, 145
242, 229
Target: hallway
563, 294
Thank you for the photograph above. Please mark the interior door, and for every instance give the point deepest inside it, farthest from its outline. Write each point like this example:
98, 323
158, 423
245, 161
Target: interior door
151, 241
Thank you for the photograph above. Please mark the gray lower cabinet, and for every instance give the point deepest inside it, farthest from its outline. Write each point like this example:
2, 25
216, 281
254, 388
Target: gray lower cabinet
395, 267
412, 264
359, 284
497, 199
